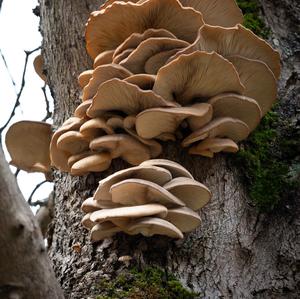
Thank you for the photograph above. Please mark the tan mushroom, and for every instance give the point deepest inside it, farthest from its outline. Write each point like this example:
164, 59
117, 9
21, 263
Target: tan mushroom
86, 221
149, 226
123, 55
196, 76
74, 158
84, 78
80, 111
105, 57
103, 231
138, 18
38, 64
135, 62
175, 168
72, 142
143, 81
96, 127
90, 205
167, 120
194, 194
102, 74
210, 146
122, 96
122, 145
150, 173
220, 127
28, 145
138, 192
237, 106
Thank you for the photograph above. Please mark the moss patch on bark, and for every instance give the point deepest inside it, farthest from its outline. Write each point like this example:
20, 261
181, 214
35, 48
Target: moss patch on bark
151, 283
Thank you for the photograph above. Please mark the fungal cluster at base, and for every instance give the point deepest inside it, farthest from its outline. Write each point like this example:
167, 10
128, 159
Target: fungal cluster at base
158, 197
172, 70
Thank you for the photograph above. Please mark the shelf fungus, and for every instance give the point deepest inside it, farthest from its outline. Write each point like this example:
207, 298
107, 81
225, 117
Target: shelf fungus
157, 197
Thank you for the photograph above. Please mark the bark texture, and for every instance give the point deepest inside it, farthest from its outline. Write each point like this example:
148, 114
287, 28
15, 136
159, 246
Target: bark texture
237, 253
25, 269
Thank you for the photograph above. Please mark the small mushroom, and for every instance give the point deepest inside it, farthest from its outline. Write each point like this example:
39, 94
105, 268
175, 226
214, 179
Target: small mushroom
123, 55
96, 127
38, 64
87, 222
72, 142
220, 127
194, 194
104, 230
199, 75
138, 192
84, 78
210, 146
105, 57
90, 205
28, 145
80, 111
143, 81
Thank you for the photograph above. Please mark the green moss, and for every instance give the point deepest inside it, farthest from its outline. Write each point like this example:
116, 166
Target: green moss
151, 283
252, 19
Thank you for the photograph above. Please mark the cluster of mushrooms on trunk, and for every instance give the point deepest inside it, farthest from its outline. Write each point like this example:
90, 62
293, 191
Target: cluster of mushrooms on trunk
182, 70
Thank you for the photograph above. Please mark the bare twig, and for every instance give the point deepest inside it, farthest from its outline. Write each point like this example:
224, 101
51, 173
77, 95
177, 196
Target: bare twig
17, 172
8, 71
17, 102
48, 112
32, 193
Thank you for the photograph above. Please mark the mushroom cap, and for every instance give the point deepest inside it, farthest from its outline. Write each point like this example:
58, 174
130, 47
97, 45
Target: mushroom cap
102, 74
135, 62
259, 81
194, 194
167, 120
103, 231
80, 111
74, 158
143, 81
237, 106
93, 163
197, 75
122, 145
72, 142
123, 96
137, 18
28, 145
136, 38
90, 205
174, 168
84, 78
184, 219
38, 64
138, 192
123, 55
225, 13
236, 41
86, 221
96, 127
149, 226
105, 57
210, 146
229, 127
150, 173
128, 212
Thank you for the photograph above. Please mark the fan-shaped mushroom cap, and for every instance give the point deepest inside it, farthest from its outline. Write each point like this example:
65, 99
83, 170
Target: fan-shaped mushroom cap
122, 145
105, 57
93, 163
210, 146
123, 96
102, 74
149, 226
175, 168
166, 120
237, 106
104, 230
72, 142
80, 111
74, 158
123, 55
223, 13
136, 61
137, 192
235, 41
150, 173
59, 158
220, 127
259, 81
143, 81
38, 64
86, 221
90, 205
184, 219
84, 78
28, 145
197, 75
128, 212
136, 38
96, 127
194, 194
138, 18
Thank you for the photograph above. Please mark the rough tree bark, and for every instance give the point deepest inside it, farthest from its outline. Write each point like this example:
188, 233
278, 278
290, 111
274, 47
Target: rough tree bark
25, 269
237, 253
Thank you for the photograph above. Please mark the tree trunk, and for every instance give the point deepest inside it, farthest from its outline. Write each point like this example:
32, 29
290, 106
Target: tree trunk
25, 269
237, 253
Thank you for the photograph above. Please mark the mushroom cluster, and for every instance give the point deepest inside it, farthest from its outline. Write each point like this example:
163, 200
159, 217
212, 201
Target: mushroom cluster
158, 197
